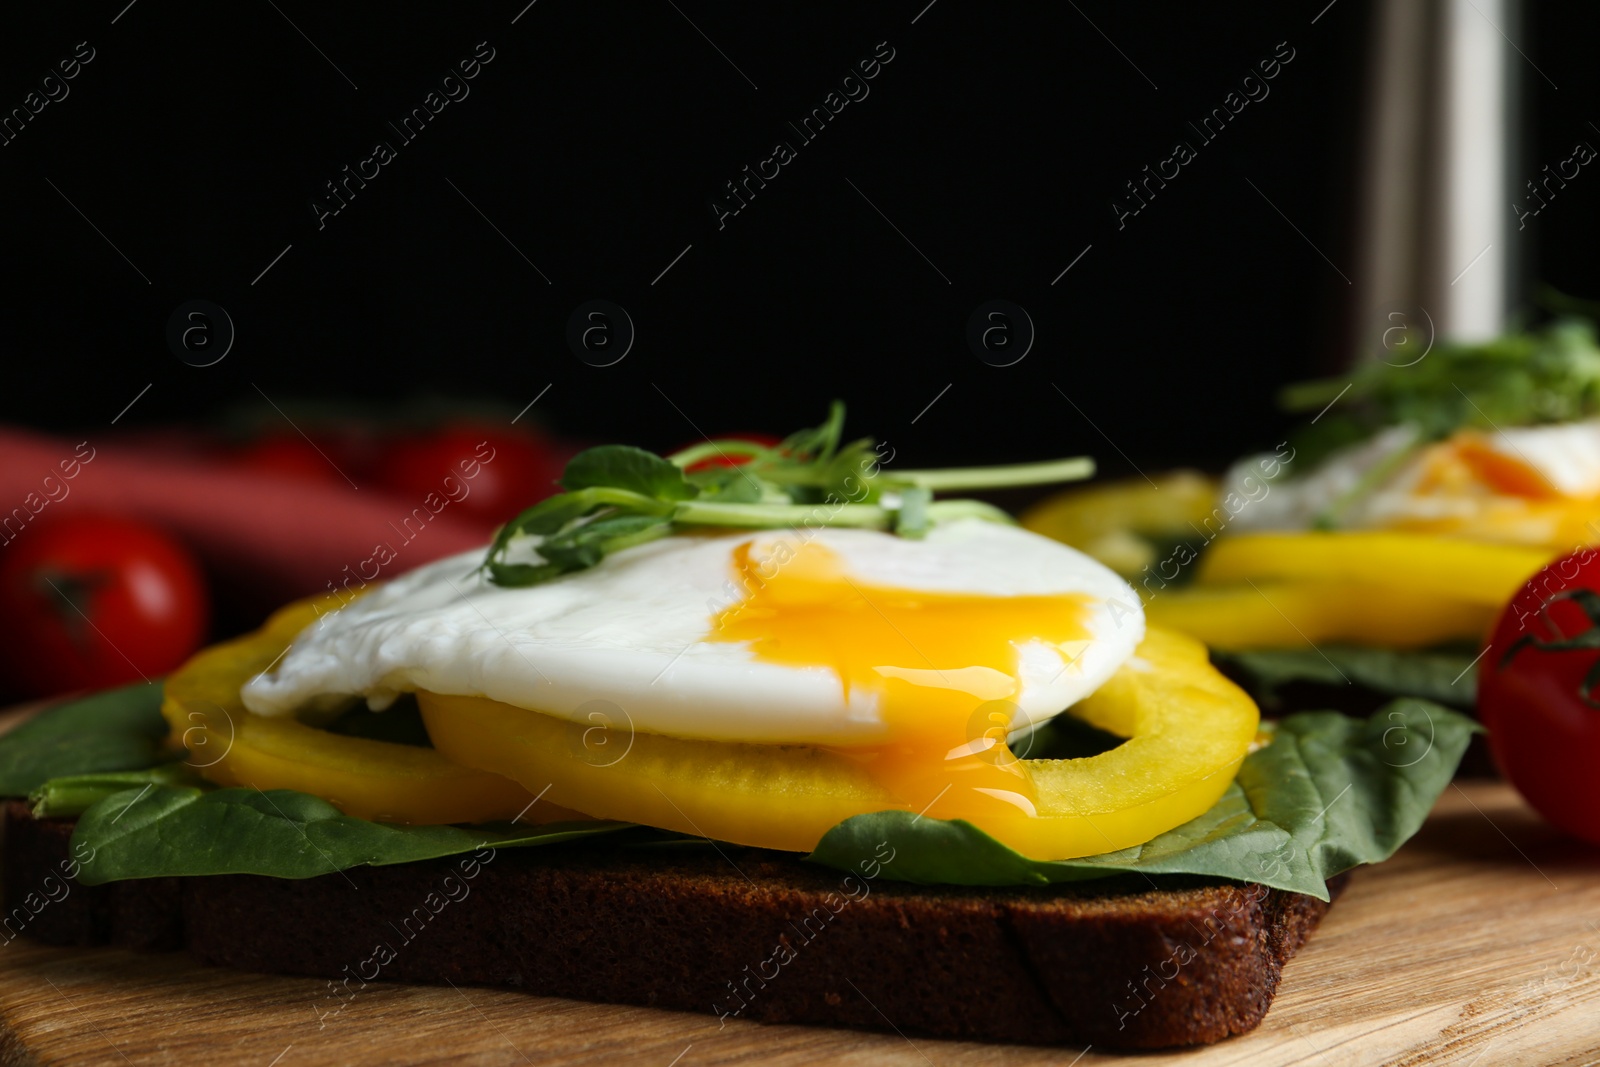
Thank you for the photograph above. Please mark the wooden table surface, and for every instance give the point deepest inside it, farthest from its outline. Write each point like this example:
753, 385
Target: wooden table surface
1478, 944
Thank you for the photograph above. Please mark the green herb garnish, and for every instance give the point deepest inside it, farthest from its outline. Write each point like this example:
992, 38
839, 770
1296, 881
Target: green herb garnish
1520, 379
618, 496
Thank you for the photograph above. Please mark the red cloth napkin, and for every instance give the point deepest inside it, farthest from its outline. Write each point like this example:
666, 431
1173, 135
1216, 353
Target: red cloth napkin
269, 537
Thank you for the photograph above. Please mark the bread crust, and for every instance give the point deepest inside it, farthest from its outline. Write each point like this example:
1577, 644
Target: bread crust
738, 933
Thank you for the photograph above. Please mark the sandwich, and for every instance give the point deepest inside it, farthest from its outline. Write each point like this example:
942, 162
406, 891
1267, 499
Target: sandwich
773, 733
1377, 543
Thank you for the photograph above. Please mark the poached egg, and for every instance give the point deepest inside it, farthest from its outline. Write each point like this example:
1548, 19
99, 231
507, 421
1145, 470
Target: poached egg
1526, 485
833, 637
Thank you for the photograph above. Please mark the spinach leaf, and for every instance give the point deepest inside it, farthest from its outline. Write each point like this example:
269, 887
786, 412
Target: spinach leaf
169, 831
626, 467
1444, 677
117, 730
1329, 793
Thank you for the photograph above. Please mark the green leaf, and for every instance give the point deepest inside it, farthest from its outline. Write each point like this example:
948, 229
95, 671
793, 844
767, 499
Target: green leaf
571, 544
178, 832
1329, 793
549, 515
544, 518
729, 485
586, 545
626, 467
819, 442
117, 730
513, 575
844, 474
1445, 677
1521, 378
65, 798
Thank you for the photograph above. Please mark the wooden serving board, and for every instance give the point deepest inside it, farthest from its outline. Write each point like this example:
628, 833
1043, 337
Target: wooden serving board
1478, 944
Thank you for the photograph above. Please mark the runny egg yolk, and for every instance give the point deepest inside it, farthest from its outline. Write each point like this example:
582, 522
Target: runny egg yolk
944, 668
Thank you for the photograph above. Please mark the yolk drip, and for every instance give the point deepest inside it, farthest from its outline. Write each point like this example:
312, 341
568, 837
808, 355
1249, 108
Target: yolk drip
943, 666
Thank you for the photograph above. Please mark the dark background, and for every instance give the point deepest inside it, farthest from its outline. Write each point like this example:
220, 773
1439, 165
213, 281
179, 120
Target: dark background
994, 142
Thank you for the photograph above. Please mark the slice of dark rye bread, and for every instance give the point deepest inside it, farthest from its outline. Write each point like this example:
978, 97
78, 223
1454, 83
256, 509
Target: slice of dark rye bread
740, 933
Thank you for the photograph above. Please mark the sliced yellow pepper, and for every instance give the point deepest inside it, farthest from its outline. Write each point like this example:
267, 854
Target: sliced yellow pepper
1300, 614
1452, 569
1187, 726
375, 780
1121, 523
1558, 526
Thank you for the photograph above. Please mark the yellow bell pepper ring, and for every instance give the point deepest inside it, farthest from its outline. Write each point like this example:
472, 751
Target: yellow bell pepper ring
1451, 568
1188, 729
376, 780
1269, 614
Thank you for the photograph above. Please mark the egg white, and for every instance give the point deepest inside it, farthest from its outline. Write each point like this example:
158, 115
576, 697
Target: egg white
631, 633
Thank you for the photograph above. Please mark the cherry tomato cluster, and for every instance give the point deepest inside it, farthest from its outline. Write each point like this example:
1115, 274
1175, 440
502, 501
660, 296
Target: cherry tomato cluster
511, 469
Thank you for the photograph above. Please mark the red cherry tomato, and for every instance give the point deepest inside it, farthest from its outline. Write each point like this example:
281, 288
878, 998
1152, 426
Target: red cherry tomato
1539, 693
492, 474
762, 439
289, 457
95, 601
